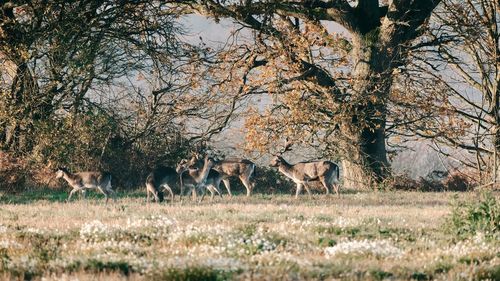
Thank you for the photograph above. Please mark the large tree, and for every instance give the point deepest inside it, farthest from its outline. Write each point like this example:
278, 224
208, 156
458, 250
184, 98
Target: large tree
328, 87
452, 86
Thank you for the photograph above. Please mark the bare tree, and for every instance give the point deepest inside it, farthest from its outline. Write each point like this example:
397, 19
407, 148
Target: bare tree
451, 91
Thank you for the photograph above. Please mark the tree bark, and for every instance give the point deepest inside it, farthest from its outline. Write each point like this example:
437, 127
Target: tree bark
367, 163
496, 138
379, 47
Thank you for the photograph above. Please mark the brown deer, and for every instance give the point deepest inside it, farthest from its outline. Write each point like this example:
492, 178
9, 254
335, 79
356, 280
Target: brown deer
232, 167
304, 172
212, 184
87, 180
161, 176
197, 178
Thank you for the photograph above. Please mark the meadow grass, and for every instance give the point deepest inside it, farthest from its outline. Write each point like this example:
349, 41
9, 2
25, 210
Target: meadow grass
359, 236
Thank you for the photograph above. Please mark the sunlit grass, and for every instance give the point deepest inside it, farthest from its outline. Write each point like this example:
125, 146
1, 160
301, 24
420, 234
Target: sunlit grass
364, 236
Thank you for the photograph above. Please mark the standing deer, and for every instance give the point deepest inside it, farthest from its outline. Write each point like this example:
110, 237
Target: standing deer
304, 172
233, 167
197, 178
161, 176
212, 183
87, 180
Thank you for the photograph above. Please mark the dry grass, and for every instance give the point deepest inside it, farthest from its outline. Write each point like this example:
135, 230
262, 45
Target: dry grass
361, 236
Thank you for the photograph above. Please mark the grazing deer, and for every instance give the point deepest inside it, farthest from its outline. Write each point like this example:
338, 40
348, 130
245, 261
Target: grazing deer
304, 172
233, 167
87, 180
197, 178
161, 176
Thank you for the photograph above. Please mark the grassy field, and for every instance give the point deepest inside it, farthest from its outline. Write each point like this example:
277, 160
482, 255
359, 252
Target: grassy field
360, 236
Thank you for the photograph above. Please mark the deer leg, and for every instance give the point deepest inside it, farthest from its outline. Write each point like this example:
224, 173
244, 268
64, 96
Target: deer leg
194, 194
155, 195
212, 192
335, 184
227, 184
203, 193
72, 192
217, 190
299, 189
247, 184
336, 187
326, 184
103, 192
167, 187
112, 192
149, 190
83, 194
307, 189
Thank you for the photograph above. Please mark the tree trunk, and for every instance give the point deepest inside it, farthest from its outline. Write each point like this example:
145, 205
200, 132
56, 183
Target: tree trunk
496, 140
24, 109
367, 163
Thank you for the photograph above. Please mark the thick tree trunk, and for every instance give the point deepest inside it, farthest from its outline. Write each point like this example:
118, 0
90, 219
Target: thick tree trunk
367, 164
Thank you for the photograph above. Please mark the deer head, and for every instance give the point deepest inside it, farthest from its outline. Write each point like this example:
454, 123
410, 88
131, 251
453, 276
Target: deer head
277, 159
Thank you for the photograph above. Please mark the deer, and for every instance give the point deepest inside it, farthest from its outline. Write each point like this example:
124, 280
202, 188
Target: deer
87, 180
199, 178
161, 176
212, 184
232, 167
304, 172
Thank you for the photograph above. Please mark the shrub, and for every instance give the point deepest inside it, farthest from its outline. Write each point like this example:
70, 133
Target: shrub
269, 181
469, 218
12, 172
453, 181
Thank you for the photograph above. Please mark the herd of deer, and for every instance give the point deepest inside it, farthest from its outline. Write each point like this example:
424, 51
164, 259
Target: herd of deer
202, 174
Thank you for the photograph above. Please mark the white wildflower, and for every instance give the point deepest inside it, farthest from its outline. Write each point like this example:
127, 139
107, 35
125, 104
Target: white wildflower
93, 230
9, 244
381, 248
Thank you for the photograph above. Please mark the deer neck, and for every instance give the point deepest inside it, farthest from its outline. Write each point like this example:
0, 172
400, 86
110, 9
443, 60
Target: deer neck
286, 169
203, 174
69, 177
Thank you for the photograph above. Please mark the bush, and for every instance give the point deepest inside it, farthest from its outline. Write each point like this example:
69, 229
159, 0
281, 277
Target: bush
270, 181
12, 172
469, 218
453, 181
